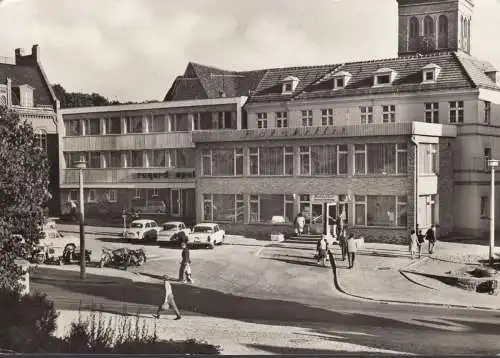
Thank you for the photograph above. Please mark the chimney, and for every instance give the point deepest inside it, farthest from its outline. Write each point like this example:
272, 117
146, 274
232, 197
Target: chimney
19, 56
35, 52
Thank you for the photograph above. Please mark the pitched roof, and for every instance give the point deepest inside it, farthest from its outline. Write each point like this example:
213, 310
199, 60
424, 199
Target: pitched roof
457, 71
27, 75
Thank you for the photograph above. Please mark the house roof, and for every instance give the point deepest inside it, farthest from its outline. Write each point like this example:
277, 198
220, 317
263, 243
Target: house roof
458, 71
28, 75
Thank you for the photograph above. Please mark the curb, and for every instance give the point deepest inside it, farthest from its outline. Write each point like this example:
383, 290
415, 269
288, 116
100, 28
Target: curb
387, 301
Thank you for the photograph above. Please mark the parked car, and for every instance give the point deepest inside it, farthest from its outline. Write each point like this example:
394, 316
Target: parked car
54, 246
207, 234
142, 230
156, 206
171, 232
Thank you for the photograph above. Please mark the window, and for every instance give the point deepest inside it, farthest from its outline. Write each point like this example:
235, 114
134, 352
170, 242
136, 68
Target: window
289, 208
73, 157
207, 207
254, 161
307, 118
381, 211
327, 117
41, 138
427, 158
443, 31
73, 195
112, 126
262, 120
206, 162
92, 126
429, 76
428, 26
26, 94
387, 158
339, 83
401, 211
288, 87
414, 28
158, 124
254, 209
366, 114
240, 208
457, 112
238, 161
74, 127
383, 79
484, 210
281, 119
158, 158
305, 160
223, 161
113, 159
226, 120
389, 113
137, 194
342, 158
134, 159
271, 161
288, 160
360, 159
94, 160
487, 112
180, 122
223, 208
432, 112
91, 196
134, 125
112, 195
360, 210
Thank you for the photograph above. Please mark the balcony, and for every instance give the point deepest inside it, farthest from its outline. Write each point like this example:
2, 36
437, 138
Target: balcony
358, 130
129, 175
128, 141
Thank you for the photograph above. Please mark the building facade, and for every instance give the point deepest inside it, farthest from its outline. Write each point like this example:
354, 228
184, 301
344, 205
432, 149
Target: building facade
139, 156
24, 88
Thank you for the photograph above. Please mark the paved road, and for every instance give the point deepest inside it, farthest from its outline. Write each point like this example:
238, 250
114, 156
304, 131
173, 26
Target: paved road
282, 285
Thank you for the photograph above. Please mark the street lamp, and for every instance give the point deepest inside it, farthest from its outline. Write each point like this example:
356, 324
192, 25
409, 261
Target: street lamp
492, 163
81, 165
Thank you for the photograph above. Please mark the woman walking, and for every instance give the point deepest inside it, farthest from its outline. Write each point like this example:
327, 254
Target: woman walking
413, 244
352, 248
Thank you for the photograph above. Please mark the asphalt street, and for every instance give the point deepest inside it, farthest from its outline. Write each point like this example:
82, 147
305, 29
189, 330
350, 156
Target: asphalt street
278, 285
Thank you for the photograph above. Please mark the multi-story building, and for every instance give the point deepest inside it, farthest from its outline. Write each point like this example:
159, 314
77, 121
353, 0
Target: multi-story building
139, 156
394, 142
25, 89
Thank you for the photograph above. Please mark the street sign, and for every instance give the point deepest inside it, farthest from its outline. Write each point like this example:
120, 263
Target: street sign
493, 162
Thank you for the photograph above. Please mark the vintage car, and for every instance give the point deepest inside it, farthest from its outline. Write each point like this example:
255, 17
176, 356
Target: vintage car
207, 234
143, 229
53, 246
171, 232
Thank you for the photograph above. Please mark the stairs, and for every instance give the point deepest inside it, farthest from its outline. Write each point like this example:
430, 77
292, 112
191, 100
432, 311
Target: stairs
303, 239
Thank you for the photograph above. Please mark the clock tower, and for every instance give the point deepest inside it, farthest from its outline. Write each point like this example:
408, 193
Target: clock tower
434, 25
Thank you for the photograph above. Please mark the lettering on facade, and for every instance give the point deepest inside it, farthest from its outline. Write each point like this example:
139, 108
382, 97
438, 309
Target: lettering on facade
167, 175
325, 198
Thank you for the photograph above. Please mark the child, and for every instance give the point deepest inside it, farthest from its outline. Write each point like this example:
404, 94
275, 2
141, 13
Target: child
168, 301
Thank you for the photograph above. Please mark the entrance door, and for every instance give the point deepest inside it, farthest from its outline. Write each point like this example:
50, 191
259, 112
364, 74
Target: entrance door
316, 225
175, 202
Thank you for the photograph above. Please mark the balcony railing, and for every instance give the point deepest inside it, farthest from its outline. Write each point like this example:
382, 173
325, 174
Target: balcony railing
128, 175
128, 141
357, 130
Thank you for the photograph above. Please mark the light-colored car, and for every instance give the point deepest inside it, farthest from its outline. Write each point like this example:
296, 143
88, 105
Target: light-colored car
143, 229
207, 234
53, 238
170, 232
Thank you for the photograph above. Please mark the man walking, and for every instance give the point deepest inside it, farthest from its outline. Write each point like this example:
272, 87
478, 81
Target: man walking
322, 249
185, 268
351, 250
343, 243
168, 301
431, 237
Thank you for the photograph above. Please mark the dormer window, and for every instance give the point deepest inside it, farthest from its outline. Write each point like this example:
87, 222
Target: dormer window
384, 77
494, 76
341, 79
26, 96
289, 84
430, 73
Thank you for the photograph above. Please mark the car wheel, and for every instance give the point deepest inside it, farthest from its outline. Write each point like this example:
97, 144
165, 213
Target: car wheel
211, 245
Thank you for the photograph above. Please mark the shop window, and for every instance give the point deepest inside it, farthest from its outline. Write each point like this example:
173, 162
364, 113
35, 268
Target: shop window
386, 211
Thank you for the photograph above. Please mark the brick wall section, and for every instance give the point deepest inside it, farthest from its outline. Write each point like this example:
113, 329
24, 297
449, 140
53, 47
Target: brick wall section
446, 187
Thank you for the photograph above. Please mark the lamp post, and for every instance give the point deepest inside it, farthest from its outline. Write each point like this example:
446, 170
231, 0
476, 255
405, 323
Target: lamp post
492, 163
81, 165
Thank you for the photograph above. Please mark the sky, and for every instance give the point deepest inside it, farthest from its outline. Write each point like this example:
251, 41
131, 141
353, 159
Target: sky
132, 50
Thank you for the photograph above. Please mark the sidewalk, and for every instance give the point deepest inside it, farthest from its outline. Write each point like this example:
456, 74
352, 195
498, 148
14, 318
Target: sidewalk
385, 272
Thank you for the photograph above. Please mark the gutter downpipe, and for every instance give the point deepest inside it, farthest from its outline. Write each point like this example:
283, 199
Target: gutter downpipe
415, 184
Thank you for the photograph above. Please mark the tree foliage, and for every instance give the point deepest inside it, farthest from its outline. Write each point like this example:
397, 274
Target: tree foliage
78, 99
24, 177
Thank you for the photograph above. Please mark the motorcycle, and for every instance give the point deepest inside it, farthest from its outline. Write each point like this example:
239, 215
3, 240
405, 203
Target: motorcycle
122, 257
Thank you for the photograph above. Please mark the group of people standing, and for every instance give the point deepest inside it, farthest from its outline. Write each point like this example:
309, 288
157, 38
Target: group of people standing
417, 240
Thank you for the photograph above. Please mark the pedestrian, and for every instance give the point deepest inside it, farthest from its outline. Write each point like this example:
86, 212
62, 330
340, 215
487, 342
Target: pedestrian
431, 237
352, 248
322, 249
168, 301
420, 242
185, 267
413, 244
300, 222
343, 243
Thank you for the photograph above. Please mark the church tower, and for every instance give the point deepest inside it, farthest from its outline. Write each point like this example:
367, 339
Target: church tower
434, 25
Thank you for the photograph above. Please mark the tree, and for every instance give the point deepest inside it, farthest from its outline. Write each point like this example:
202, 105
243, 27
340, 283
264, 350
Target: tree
24, 177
